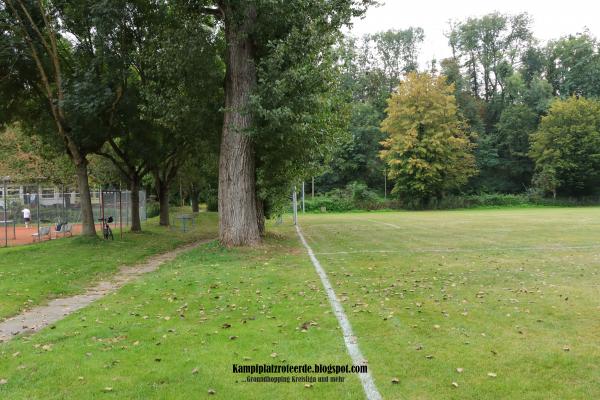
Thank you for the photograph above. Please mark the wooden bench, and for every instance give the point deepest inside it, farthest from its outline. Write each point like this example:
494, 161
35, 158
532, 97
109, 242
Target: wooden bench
44, 232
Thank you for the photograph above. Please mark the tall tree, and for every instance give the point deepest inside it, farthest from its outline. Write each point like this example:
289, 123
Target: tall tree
427, 151
566, 146
573, 66
255, 30
68, 63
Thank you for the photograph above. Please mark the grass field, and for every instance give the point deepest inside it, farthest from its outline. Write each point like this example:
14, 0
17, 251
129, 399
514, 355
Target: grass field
30, 275
512, 297
502, 303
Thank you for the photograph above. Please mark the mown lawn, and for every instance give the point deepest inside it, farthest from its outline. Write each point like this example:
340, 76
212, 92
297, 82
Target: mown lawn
511, 297
502, 303
175, 333
32, 274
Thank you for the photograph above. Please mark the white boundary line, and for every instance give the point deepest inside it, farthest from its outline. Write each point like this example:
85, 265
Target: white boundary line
456, 250
349, 338
384, 223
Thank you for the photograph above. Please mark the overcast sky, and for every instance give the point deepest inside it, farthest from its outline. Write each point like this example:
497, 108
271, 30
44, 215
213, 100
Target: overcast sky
551, 18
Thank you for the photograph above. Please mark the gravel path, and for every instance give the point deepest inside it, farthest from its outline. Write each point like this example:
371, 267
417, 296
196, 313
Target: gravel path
39, 317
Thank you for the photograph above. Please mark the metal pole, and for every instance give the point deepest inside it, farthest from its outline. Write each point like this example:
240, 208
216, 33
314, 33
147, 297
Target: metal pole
102, 208
313, 188
303, 197
295, 206
38, 211
5, 216
385, 183
121, 213
64, 205
127, 206
181, 193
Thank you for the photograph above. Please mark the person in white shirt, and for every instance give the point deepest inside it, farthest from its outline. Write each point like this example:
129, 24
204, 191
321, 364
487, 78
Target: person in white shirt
26, 216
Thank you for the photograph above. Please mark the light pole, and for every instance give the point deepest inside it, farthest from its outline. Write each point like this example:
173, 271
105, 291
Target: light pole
5, 179
385, 183
302, 197
295, 206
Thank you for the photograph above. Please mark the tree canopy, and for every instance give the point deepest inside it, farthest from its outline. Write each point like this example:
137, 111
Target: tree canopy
427, 150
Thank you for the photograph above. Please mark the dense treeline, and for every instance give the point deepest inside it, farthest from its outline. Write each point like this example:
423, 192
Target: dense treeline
528, 109
238, 98
233, 103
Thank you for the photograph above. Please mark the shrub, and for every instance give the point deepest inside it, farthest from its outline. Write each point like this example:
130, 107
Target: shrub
152, 208
212, 203
331, 204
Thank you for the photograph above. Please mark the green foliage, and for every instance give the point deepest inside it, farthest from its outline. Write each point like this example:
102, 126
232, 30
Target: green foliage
212, 200
328, 203
565, 147
354, 196
427, 151
152, 208
511, 141
27, 158
573, 66
299, 108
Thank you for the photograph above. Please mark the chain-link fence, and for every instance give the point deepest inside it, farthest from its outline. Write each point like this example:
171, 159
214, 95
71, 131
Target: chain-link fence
30, 212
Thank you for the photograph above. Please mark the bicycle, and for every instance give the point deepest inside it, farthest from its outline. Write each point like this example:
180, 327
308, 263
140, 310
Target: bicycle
106, 231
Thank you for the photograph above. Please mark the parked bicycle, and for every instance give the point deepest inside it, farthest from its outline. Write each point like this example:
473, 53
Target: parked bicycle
106, 231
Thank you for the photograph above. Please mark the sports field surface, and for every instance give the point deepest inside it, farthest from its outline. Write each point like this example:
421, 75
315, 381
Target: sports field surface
478, 304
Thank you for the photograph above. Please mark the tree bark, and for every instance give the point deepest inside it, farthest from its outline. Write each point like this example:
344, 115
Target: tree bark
163, 202
194, 194
237, 183
136, 223
260, 216
88, 228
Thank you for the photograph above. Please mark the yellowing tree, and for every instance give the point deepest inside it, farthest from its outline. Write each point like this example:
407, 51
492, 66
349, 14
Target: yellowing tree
427, 151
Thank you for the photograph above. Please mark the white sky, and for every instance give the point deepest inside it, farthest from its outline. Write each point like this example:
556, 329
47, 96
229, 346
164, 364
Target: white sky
551, 18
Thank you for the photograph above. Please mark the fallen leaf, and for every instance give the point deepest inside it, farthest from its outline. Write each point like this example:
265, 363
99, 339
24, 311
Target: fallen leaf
307, 385
491, 374
395, 380
459, 370
454, 384
226, 325
195, 371
3, 381
273, 355
107, 389
211, 391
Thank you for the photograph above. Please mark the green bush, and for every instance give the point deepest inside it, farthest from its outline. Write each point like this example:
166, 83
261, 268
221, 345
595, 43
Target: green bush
510, 200
357, 196
152, 208
331, 204
361, 194
212, 203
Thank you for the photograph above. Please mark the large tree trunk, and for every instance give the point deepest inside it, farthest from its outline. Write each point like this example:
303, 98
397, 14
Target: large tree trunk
88, 228
260, 216
136, 223
237, 199
163, 202
194, 195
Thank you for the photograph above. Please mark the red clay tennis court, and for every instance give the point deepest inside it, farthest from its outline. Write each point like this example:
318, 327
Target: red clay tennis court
19, 235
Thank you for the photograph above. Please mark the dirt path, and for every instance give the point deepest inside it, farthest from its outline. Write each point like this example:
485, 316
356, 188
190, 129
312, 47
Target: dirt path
39, 317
